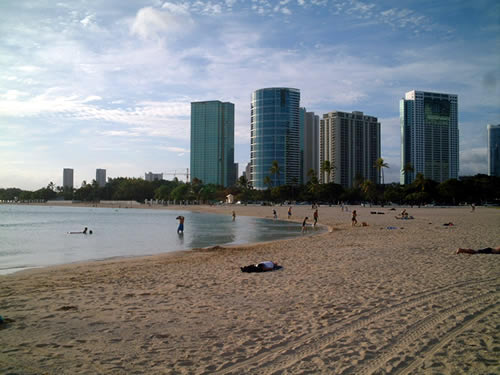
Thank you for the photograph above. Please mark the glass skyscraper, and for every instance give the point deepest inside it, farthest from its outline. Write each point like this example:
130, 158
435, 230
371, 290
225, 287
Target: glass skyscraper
275, 136
212, 142
494, 150
429, 136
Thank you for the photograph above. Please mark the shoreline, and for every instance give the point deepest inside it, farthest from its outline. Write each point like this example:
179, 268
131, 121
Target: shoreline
351, 300
201, 209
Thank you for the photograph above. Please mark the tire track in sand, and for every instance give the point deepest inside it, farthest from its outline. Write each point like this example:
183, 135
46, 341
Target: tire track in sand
449, 336
287, 354
416, 331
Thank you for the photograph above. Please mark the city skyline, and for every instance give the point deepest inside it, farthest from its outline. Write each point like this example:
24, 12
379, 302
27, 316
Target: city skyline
111, 84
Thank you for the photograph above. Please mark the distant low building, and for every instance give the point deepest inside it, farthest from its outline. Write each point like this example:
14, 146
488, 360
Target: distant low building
153, 176
68, 178
100, 177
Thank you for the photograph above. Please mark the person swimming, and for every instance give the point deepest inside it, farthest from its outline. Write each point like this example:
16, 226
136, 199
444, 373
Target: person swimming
82, 232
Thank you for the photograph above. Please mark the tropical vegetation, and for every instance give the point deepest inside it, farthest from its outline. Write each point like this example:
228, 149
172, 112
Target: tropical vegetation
479, 189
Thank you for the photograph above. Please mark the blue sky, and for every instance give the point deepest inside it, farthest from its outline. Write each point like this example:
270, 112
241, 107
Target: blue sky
108, 84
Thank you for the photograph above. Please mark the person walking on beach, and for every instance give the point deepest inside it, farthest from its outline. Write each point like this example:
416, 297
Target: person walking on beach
354, 221
304, 225
180, 228
275, 215
315, 217
289, 212
234, 215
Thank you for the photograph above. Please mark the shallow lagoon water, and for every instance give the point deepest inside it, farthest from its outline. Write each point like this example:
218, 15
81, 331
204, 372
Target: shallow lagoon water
37, 236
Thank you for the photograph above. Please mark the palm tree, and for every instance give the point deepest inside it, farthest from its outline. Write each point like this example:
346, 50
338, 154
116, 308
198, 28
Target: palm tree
275, 171
420, 182
311, 173
327, 167
243, 182
407, 169
380, 164
368, 187
268, 182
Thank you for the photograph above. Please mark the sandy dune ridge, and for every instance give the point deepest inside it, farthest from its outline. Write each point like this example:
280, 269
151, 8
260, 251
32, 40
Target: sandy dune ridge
362, 300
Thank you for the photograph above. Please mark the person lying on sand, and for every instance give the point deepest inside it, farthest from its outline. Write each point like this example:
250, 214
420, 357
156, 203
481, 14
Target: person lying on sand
487, 250
261, 267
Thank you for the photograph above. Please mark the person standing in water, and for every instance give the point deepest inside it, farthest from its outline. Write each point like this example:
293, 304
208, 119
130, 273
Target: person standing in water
304, 224
180, 228
234, 215
315, 217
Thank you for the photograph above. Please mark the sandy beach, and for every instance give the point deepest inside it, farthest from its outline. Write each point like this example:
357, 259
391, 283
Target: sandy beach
388, 298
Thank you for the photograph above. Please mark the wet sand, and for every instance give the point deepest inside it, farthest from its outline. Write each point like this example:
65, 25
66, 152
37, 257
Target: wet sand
362, 300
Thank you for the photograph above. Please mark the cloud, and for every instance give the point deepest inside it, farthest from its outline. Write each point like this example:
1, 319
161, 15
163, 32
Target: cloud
473, 161
13, 95
91, 98
151, 23
177, 149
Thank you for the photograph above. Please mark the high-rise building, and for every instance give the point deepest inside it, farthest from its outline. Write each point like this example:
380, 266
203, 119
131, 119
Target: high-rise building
247, 172
236, 172
429, 136
351, 143
149, 176
494, 150
311, 145
68, 178
100, 177
275, 136
212, 142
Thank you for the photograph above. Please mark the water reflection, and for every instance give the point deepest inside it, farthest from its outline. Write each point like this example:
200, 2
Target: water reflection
34, 236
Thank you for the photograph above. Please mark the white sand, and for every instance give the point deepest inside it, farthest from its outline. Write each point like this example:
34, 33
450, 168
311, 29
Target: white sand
357, 300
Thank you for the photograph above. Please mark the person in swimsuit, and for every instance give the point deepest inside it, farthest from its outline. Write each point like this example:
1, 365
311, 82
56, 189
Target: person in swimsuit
180, 228
315, 217
354, 221
289, 212
487, 250
261, 267
84, 231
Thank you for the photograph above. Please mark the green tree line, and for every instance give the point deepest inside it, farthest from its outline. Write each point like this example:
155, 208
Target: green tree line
477, 189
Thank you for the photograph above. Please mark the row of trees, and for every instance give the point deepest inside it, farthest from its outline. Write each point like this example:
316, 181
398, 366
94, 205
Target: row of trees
478, 189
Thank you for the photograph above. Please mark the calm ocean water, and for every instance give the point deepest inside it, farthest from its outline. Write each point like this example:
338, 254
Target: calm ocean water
37, 236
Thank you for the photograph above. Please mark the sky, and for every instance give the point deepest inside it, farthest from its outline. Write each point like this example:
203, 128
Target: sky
108, 84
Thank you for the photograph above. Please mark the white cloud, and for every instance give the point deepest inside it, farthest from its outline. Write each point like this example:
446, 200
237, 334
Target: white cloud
473, 161
91, 98
88, 20
151, 23
177, 149
13, 95
28, 68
